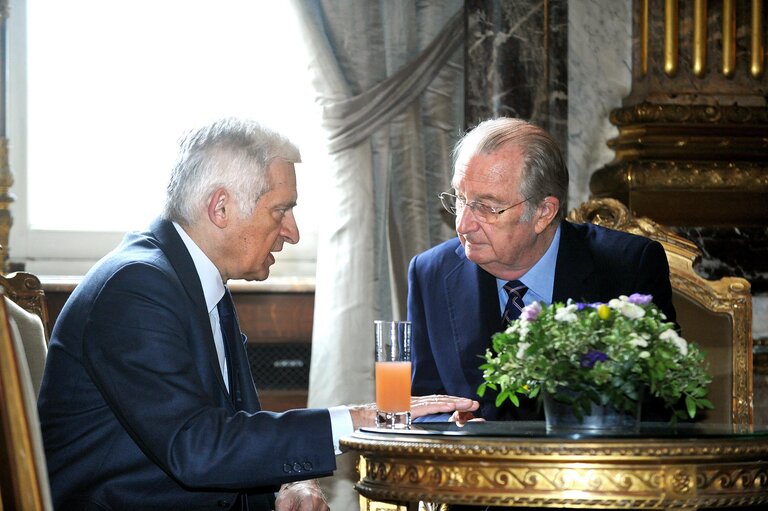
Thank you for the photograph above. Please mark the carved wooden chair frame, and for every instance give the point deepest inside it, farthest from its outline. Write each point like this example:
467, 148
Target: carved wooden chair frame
27, 291
23, 481
729, 295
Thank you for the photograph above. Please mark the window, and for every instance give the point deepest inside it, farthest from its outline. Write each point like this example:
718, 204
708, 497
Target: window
100, 92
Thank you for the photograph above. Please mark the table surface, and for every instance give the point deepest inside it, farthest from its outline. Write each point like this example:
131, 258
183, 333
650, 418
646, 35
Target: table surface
537, 429
521, 464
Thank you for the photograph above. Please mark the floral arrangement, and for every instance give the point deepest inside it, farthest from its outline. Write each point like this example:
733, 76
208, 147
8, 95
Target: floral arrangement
602, 353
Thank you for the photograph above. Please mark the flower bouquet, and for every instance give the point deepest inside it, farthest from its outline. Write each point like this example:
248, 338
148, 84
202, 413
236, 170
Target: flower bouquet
597, 353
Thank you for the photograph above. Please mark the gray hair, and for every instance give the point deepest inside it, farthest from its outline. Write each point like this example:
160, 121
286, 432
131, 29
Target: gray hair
544, 172
228, 153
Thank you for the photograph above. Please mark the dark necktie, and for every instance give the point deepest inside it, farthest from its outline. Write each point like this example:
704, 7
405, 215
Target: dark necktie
230, 331
516, 291
232, 342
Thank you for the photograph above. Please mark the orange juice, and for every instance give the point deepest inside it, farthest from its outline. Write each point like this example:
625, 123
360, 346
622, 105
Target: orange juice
393, 386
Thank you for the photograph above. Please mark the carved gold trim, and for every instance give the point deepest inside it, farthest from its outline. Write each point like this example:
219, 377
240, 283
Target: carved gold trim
698, 175
612, 474
6, 198
671, 34
699, 38
757, 36
729, 38
26, 290
690, 114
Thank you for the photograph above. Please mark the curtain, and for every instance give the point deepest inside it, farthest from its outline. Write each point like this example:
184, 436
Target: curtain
389, 77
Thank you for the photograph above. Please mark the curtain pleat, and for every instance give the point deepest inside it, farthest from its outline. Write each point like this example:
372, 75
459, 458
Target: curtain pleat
389, 77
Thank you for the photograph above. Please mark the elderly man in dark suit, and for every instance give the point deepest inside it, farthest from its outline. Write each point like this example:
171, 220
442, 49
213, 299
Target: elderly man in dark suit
514, 247
147, 399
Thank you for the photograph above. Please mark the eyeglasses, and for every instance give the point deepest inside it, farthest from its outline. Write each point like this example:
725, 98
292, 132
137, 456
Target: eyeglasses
483, 212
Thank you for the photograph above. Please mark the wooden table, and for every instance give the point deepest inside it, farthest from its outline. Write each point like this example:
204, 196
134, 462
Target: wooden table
518, 464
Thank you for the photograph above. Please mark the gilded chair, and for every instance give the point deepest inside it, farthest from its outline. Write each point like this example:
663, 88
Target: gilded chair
715, 314
26, 290
23, 473
26, 305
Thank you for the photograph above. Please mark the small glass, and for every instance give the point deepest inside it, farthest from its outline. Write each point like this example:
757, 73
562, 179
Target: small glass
393, 374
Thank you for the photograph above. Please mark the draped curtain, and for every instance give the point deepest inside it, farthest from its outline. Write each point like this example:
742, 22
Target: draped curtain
389, 77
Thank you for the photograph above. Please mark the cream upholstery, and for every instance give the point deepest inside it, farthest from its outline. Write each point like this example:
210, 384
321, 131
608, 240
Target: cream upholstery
717, 315
32, 335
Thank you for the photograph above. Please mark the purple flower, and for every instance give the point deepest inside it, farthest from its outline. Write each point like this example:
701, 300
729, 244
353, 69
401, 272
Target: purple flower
589, 359
639, 299
531, 312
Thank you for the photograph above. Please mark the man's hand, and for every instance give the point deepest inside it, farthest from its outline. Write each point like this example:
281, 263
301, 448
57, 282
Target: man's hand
365, 415
461, 418
301, 496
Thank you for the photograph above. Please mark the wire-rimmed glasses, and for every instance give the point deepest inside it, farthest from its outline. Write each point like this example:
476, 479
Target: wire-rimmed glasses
483, 212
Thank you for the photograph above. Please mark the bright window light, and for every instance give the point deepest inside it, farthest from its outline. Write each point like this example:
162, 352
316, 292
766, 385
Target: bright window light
111, 86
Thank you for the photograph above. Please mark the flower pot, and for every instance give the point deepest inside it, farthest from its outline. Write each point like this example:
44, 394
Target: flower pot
601, 419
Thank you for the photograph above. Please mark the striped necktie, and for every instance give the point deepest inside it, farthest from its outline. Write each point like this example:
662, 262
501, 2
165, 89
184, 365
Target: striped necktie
516, 291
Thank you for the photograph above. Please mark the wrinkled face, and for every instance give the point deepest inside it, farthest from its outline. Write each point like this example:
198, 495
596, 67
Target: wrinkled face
253, 239
509, 244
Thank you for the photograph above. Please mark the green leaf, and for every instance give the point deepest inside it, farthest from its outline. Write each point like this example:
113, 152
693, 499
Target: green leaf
501, 397
690, 404
481, 389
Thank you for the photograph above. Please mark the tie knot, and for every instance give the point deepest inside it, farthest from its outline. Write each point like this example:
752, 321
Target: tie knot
224, 307
516, 287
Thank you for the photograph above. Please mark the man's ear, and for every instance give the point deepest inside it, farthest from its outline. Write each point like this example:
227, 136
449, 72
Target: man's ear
545, 213
219, 206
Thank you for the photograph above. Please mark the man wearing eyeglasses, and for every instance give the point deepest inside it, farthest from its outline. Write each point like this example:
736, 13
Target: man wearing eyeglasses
514, 247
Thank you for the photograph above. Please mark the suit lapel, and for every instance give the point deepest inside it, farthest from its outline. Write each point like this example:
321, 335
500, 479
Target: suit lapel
473, 314
178, 255
574, 273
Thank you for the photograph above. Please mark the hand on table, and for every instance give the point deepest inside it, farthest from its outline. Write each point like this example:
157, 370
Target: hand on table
365, 415
301, 496
461, 418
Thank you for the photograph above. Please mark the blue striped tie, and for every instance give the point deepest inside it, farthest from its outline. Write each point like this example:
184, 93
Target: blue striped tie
516, 291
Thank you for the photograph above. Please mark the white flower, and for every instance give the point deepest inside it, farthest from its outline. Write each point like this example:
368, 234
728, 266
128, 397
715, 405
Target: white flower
644, 354
521, 349
626, 308
525, 326
672, 336
616, 303
638, 341
566, 314
631, 311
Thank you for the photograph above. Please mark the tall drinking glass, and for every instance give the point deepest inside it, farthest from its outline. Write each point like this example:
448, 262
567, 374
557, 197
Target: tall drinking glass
393, 373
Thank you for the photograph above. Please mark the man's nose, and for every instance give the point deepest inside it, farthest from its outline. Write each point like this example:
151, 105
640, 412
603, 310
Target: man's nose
290, 229
465, 220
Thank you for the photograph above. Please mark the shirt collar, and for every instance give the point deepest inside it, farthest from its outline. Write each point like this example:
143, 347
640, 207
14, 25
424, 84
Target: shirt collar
540, 279
210, 278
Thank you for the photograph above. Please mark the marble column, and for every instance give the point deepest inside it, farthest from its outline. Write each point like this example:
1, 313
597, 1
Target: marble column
517, 62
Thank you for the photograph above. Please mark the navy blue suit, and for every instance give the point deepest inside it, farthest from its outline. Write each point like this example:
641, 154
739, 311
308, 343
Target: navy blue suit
133, 407
454, 304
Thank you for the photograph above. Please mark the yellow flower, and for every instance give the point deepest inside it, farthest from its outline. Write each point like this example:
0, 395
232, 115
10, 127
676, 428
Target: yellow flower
604, 312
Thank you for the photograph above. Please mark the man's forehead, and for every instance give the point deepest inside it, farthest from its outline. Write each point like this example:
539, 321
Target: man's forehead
501, 167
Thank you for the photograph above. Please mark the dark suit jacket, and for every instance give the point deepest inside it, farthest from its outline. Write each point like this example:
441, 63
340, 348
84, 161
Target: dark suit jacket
133, 407
454, 304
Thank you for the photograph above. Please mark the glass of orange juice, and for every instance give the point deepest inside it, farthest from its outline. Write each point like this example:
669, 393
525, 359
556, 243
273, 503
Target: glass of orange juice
393, 373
